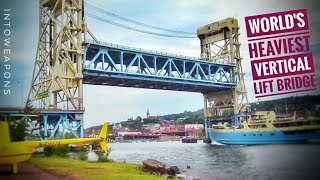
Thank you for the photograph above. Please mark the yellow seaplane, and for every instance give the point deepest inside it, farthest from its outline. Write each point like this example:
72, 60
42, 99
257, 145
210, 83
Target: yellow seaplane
12, 153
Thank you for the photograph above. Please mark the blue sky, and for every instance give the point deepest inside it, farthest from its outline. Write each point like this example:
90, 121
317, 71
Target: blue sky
114, 104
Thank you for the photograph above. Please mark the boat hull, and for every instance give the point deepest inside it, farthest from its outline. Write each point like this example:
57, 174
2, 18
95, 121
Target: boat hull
262, 137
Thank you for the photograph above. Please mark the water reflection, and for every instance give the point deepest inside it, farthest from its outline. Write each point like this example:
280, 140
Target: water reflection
227, 162
224, 161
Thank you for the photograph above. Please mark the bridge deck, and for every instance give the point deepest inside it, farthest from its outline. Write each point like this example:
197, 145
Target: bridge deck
115, 65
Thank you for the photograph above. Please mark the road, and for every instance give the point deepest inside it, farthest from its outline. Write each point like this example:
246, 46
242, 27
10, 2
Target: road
27, 171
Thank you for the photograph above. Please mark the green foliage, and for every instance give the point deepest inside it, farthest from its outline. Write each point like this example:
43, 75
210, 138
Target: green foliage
153, 121
138, 119
28, 109
18, 125
135, 123
48, 151
17, 128
98, 128
83, 153
189, 120
83, 156
68, 168
195, 116
67, 136
306, 103
103, 156
133, 126
60, 151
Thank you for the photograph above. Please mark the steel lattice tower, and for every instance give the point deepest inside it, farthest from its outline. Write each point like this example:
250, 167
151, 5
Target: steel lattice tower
220, 43
57, 75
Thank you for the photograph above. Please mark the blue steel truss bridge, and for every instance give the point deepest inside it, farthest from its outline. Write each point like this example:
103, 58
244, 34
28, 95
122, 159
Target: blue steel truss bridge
116, 65
69, 55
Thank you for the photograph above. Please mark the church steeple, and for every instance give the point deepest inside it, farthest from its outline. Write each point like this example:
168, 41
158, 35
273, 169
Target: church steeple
148, 114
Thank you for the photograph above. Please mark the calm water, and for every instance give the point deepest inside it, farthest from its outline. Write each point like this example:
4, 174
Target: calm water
208, 161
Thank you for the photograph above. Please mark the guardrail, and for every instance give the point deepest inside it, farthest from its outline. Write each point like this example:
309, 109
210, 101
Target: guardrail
89, 41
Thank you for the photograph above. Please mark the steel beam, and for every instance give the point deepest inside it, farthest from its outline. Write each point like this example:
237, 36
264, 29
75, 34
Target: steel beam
133, 65
59, 123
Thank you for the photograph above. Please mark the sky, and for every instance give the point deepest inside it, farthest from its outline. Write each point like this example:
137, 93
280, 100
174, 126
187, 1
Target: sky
114, 104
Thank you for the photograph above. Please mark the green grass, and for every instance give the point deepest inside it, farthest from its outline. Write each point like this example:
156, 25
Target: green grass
67, 168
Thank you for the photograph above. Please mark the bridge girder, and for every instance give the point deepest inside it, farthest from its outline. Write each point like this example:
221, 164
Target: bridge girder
104, 62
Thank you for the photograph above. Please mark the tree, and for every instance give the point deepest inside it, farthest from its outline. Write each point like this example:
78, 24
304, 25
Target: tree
138, 118
153, 121
17, 128
17, 124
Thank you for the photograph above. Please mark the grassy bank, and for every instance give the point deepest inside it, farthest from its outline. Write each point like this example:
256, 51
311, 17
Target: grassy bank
67, 168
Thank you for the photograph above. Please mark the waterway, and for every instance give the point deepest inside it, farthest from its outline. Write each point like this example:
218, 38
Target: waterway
215, 162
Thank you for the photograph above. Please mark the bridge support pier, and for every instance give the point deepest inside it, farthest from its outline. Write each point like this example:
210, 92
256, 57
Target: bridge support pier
206, 125
48, 124
56, 124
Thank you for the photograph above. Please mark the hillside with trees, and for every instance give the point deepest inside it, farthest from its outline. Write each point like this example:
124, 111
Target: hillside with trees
290, 104
298, 103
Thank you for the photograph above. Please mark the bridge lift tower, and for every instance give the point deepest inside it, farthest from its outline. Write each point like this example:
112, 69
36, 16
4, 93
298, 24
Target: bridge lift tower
220, 43
56, 87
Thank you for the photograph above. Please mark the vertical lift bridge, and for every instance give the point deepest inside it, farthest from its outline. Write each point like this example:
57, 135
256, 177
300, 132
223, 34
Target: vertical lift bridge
65, 61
